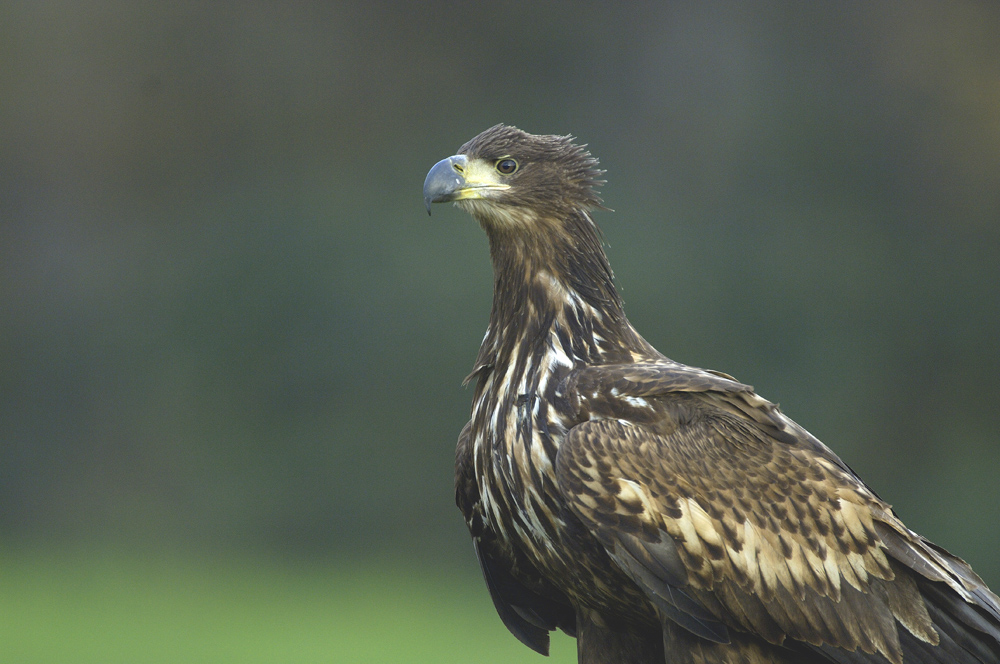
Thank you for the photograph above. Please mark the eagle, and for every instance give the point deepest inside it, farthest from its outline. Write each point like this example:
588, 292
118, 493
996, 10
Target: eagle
656, 511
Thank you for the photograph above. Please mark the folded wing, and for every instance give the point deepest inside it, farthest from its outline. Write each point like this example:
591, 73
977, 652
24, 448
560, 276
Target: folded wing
735, 521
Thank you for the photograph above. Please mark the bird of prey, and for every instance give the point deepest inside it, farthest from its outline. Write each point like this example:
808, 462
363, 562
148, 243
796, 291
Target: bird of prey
656, 511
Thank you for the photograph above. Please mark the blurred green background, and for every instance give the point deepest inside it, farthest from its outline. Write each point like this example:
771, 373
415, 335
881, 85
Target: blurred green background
232, 341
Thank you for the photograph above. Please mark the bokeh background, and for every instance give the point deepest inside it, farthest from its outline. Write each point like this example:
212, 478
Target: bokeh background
232, 342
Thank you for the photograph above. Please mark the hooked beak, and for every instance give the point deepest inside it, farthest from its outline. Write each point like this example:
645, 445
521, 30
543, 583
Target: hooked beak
445, 181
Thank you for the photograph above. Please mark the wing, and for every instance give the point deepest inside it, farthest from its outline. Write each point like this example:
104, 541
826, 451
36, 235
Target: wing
728, 514
529, 613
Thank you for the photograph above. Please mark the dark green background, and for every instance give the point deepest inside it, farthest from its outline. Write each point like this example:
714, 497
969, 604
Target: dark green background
232, 342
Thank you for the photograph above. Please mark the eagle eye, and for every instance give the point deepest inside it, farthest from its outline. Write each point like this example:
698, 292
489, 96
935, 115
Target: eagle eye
506, 166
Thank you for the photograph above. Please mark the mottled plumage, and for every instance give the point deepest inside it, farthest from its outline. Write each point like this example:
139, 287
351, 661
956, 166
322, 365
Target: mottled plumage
659, 512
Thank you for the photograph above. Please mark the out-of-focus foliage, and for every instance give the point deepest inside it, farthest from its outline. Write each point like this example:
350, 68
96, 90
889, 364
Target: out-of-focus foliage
167, 609
227, 322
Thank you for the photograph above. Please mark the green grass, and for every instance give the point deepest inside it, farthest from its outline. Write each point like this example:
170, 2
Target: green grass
131, 609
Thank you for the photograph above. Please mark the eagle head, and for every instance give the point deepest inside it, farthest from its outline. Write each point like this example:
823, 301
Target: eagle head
505, 176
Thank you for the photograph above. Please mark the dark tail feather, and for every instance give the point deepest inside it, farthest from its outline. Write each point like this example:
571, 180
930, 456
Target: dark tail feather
968, 633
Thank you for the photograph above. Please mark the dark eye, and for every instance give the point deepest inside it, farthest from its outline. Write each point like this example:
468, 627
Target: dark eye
506, 166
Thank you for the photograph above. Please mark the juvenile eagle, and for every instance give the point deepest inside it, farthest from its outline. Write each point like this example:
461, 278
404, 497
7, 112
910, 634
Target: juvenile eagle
659, 512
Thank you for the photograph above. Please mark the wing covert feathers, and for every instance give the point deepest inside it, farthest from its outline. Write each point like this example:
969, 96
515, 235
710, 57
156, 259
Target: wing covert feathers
731, 518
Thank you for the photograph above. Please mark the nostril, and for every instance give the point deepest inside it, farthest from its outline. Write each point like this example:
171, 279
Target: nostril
458, 167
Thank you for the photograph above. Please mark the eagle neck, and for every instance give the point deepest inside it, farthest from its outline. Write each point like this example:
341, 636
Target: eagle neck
553, 277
